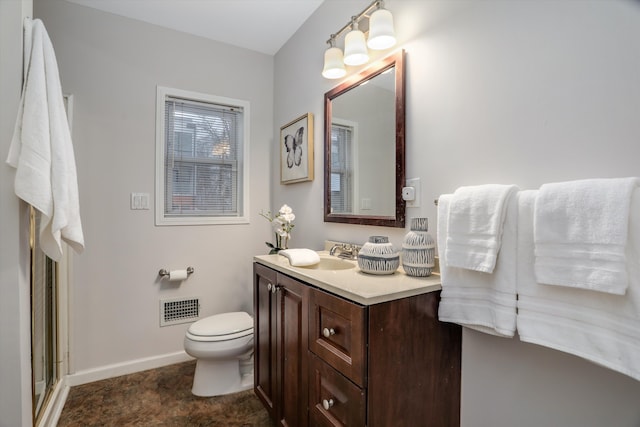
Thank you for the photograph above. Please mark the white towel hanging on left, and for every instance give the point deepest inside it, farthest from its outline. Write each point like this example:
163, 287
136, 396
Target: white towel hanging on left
41, 148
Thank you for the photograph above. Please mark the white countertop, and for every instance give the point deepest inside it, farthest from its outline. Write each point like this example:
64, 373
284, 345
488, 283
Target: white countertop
353, 284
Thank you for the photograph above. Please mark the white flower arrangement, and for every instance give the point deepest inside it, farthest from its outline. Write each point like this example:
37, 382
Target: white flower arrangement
282, 224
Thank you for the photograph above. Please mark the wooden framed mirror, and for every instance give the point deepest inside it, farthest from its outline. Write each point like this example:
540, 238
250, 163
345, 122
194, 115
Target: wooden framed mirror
364, 147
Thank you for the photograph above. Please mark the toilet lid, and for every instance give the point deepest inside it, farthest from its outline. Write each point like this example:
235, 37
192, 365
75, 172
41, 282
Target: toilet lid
222, 324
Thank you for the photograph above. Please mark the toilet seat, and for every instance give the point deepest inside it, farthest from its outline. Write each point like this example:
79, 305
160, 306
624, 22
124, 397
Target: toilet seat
221, 327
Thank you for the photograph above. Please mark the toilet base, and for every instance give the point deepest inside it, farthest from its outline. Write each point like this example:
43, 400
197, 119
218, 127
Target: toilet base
247, 381
219, 377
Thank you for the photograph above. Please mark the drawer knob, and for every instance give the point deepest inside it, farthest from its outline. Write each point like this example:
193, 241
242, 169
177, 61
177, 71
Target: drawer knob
327, 404
328, 332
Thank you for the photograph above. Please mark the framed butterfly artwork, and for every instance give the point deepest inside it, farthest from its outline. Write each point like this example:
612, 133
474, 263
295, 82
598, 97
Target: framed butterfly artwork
296, 150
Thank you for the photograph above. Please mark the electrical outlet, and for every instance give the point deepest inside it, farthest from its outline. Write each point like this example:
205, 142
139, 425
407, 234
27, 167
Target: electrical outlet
415, 184
408, 194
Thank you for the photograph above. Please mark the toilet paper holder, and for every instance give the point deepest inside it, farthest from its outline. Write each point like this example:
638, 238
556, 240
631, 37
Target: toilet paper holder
165, 273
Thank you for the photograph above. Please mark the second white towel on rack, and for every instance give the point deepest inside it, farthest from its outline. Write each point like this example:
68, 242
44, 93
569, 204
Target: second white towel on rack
600, 327
481, 301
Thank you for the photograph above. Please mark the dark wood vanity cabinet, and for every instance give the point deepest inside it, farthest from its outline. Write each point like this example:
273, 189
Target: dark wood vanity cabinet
322, 360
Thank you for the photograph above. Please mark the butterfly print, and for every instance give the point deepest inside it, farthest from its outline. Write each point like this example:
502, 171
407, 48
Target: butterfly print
293, 145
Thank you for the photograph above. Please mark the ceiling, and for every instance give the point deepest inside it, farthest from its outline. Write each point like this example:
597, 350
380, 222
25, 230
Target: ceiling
260, 25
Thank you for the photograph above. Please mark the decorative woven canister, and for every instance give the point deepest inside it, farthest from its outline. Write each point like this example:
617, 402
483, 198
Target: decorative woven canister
418, 249
378, 256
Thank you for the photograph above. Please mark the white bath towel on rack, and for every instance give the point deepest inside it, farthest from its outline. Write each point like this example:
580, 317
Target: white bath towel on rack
600, 327
580, 233
41, 149
481, 301
476, 219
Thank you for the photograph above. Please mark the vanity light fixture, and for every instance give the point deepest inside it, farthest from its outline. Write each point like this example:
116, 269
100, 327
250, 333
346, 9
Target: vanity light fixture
355, 48
333, 61
381, 32
381, 36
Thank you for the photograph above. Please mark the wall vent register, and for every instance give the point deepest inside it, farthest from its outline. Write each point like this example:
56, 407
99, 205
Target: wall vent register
179, 310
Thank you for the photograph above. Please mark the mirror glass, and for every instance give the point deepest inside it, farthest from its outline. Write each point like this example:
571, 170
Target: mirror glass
364, 147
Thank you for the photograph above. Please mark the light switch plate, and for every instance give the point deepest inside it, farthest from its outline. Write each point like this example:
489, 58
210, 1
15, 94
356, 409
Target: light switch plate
139, 201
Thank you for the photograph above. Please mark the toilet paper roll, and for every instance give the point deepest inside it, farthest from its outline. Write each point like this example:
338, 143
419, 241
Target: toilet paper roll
176, 275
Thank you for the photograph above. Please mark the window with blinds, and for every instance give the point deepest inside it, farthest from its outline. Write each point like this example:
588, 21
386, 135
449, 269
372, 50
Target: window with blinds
202, 158
341, 169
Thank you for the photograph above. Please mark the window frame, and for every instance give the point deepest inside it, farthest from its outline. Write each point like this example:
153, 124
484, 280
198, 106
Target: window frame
161, 219
353, 173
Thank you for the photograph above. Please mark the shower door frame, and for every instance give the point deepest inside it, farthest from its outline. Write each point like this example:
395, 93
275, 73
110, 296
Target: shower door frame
46, 275
62, 298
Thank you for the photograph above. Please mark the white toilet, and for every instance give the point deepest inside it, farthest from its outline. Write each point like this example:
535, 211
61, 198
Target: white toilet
223, 347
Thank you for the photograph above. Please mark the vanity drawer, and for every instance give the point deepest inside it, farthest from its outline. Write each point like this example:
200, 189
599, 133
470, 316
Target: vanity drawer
337, 334
333, 399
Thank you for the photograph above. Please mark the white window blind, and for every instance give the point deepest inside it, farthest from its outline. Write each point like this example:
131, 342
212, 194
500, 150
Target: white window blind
341, 169
203, 160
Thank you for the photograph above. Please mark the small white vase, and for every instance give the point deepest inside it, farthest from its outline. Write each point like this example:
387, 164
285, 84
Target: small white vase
378, 256
418, 249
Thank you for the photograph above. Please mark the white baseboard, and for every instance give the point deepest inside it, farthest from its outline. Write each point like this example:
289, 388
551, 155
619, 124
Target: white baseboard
124, 368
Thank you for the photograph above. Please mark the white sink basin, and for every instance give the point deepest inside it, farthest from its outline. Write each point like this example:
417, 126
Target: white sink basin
331, 263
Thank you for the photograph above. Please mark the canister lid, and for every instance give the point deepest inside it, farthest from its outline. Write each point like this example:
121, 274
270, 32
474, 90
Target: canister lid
378, 239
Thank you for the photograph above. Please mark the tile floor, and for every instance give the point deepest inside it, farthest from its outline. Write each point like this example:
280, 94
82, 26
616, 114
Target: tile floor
158, 397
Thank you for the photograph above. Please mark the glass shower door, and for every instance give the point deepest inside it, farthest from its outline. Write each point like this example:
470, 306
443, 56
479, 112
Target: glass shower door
44, 328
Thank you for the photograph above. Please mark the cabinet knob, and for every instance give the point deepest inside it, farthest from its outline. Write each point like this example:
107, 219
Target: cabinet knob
274, 289
327, 404
269, 286
328, 332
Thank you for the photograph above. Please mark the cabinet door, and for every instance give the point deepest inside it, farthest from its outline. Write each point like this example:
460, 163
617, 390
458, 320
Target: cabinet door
293, 327
264, 306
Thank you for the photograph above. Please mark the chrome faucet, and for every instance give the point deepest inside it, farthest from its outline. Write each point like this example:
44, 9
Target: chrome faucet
346, 250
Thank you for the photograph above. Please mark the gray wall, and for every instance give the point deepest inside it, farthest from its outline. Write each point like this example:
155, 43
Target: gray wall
112, 66
522, 92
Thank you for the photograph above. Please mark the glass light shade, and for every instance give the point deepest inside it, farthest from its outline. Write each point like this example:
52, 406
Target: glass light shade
333, 64
381, 32
355, 48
